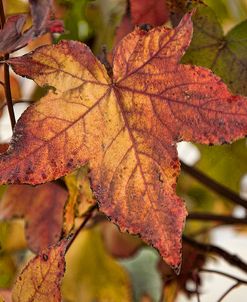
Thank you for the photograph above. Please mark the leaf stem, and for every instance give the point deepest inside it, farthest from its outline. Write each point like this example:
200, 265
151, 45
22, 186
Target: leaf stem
7, 88
209, 248
213, 185
214, 217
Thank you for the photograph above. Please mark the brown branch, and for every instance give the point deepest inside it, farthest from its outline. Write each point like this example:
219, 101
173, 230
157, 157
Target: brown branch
209, 248
214, 185
197, 291
228, 291
88, 216
213, 217
7, 88
236, 284
204, 270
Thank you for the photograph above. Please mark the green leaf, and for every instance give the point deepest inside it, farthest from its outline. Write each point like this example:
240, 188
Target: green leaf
91, 274
224, 55
225, 164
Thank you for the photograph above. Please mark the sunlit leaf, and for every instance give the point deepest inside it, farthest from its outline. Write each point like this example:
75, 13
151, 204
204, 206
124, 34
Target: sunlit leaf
126, 126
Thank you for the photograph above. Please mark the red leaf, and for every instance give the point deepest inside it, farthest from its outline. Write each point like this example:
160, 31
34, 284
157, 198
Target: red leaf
126, 126
42, 206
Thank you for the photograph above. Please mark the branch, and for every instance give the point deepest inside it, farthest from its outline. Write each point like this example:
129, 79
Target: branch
213, 185
209, 248
214, 217
7, 88
204, 270
88, 216
236, 284
228, 291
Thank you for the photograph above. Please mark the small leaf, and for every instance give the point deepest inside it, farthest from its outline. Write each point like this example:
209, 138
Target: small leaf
42, 207
126, 127
40, 280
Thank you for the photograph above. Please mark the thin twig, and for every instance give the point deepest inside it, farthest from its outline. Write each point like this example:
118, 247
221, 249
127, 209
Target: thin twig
197, 292
205, 270
228, 291
85, 221
214, 217
209, 248
7, 87
214, 185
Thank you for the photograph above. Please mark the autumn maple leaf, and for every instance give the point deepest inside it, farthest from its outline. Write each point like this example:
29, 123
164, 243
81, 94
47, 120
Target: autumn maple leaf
126, 127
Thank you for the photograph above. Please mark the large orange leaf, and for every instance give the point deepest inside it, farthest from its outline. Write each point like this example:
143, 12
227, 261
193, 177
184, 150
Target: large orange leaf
42, 207
126, 126
40, 280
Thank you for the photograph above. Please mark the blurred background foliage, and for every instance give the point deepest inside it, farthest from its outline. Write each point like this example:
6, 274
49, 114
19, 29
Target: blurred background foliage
104, 264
